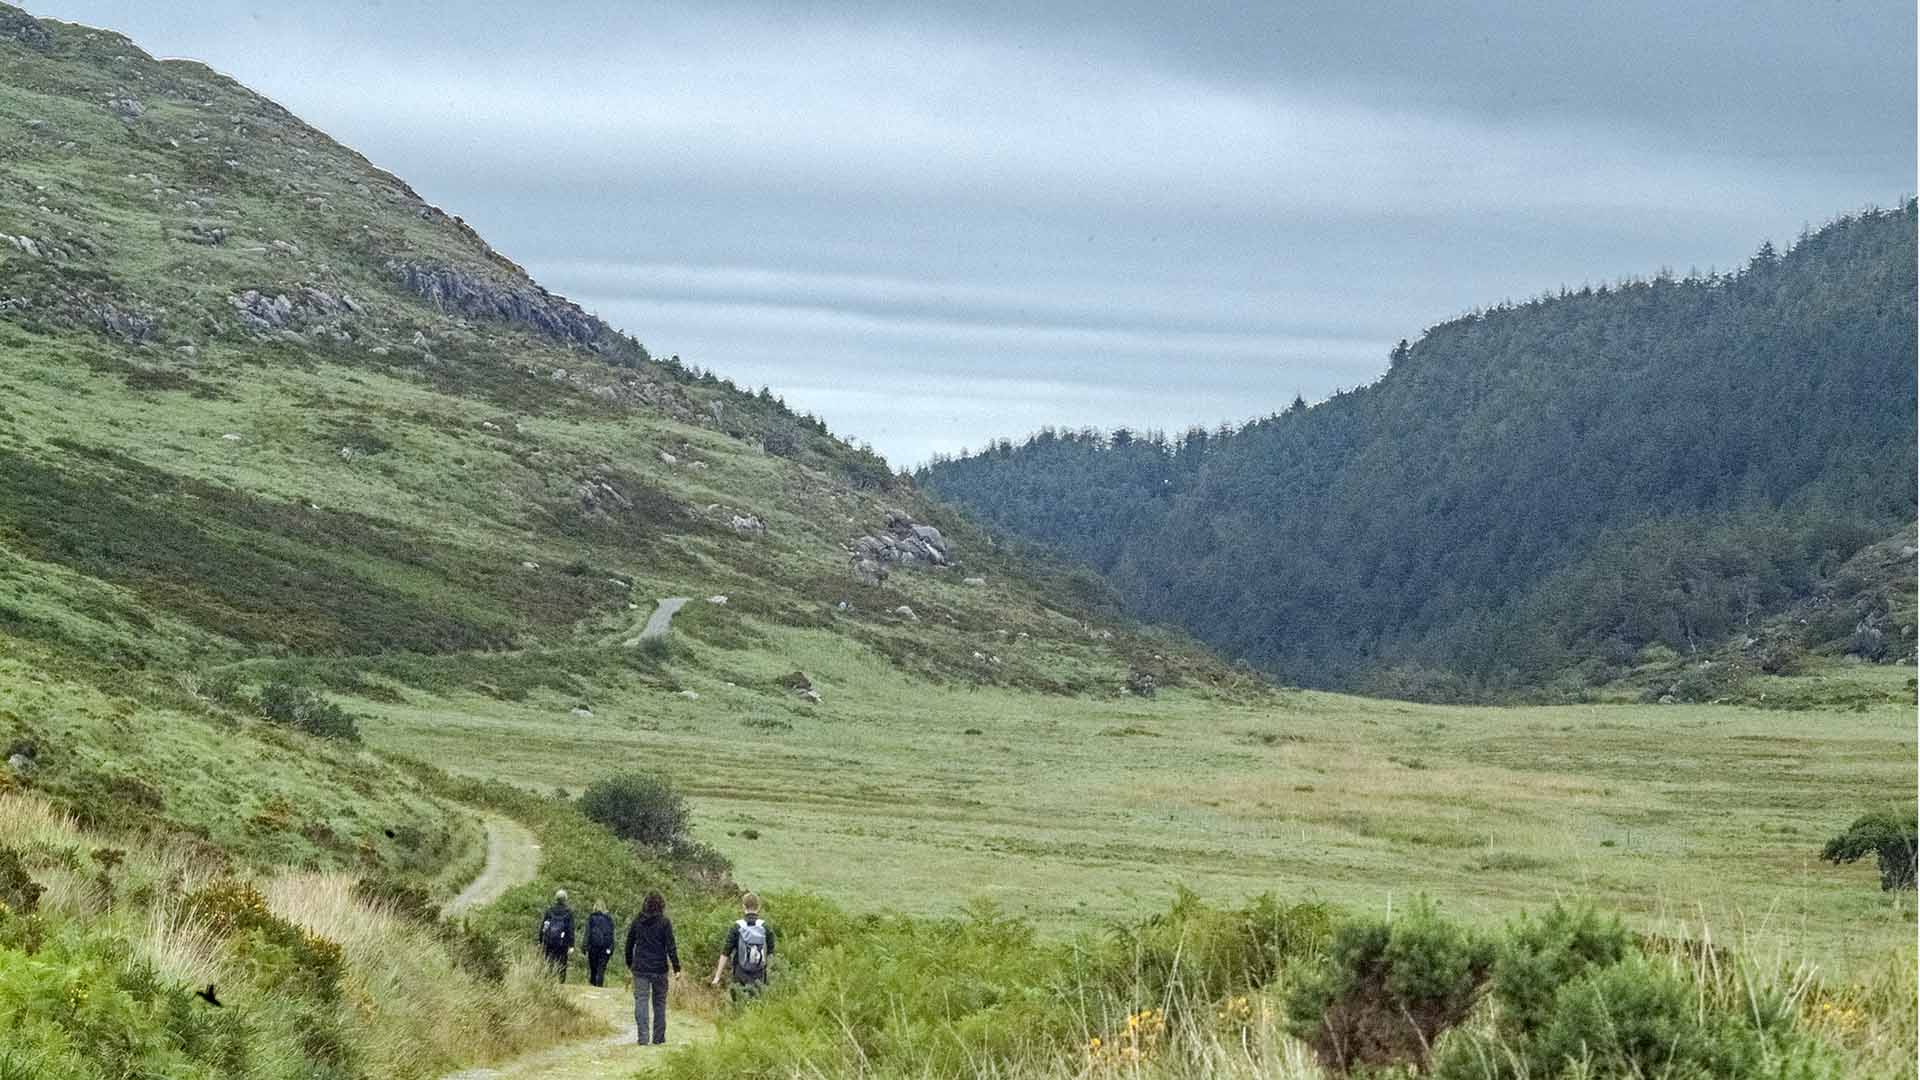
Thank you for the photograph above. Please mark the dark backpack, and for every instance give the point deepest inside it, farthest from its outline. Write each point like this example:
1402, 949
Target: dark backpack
556, 929
600, 932
750, 954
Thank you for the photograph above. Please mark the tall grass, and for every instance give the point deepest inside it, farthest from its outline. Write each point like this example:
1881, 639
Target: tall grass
127, 940
414, 1012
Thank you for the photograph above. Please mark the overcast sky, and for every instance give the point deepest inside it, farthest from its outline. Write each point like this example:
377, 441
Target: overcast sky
934, 225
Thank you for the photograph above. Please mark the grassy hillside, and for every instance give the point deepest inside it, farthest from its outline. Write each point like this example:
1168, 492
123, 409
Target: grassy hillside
1531, 494
277, 438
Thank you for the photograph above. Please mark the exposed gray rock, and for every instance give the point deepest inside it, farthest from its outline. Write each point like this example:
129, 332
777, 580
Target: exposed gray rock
262, 313
131, 325
599, 497
907, 613
527, 305
748, 525
901, 541
974, 581
868, 572
126, 108
25, 29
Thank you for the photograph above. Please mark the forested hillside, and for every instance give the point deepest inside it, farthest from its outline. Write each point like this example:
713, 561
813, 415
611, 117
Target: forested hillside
1531, 495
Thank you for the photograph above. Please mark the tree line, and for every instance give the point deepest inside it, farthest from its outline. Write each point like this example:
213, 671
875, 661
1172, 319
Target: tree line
1532, 492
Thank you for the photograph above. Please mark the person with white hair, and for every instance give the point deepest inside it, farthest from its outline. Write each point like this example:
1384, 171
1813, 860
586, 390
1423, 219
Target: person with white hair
556, 934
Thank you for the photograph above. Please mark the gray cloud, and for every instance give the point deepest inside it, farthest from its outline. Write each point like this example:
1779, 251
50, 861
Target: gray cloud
933, 226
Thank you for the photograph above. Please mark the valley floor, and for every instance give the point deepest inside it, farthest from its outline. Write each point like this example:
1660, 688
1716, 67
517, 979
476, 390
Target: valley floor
890, 793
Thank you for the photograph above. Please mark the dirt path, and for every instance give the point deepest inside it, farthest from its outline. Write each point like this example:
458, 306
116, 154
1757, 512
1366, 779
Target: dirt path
662, 618
613, 1054
513, 855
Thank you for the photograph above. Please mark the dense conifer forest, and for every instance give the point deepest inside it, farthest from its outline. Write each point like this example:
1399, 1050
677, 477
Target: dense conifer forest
1532, 495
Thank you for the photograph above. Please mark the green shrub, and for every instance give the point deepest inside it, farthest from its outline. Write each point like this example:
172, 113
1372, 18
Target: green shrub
1579, 999
79, 1008
298, 707
408, 899
1388, 990
18, 891
278, 954
1889, 836
641, 807
477, 954
1539, 956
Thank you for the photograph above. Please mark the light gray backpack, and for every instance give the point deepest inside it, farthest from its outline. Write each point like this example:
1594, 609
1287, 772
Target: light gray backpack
750, 955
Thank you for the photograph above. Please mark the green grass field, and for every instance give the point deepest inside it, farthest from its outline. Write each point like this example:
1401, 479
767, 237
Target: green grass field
894, 794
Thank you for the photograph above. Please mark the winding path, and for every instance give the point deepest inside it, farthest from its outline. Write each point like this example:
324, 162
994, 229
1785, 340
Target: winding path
513, 855
661, 620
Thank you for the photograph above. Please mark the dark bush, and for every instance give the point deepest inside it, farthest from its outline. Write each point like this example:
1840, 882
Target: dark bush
477, 954
1889, 836
1388, 990
298, 707
18, 891
638, 806
703, 864
408, 899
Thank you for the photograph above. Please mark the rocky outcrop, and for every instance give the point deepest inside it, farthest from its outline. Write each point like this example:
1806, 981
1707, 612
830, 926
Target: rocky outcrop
901, 541
25, 29
462, 293
308, 306
599, 498
130, 325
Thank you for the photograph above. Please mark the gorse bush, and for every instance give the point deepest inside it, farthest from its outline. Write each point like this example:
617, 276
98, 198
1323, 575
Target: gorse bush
1577, 998
407, 899
280, 955
18, 891
298, 707
641, 807
1890, 837
1388, 990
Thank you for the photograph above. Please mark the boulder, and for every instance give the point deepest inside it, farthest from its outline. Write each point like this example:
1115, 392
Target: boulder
717, 598
974, 581
907, 613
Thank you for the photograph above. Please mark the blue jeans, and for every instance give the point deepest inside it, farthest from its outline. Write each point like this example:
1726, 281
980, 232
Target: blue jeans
654, 986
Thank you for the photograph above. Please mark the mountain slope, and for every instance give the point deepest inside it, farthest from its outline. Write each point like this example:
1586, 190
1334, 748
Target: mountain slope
265, 414
1527, 489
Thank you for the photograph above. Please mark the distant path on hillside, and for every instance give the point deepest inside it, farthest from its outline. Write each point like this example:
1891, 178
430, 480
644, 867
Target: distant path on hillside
614, 1054
512, 857
662, 617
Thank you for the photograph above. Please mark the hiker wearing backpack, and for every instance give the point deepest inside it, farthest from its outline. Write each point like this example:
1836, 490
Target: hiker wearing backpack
749, 949
599, 944
650, 951
556, 934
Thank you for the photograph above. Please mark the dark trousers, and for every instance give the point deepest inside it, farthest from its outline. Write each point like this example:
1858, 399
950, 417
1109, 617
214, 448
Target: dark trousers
597, 967
557, 963
650, 986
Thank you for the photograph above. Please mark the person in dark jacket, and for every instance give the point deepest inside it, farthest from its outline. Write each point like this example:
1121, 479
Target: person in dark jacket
556, 934
650, 952
749, 949
599, 944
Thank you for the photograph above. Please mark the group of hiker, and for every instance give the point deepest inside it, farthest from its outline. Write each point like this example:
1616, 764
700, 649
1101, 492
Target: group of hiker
651, 953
